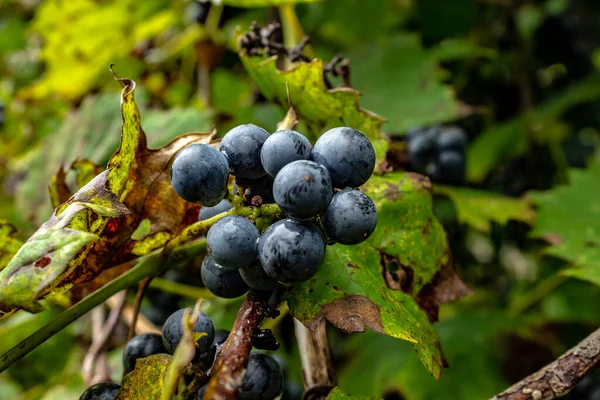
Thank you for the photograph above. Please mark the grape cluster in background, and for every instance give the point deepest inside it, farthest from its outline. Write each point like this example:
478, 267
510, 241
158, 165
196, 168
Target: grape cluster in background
263, 379
438, 152
315, 187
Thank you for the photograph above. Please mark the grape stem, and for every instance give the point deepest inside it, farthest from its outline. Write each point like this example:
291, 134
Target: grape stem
317, 367
230, 364
559, 377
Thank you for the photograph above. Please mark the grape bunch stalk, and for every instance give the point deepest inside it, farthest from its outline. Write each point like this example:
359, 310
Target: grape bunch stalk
317, 203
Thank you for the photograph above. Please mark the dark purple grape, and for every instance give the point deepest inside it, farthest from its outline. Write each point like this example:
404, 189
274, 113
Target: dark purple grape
348, 156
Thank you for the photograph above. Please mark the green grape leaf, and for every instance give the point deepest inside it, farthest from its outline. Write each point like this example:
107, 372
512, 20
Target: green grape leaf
393, 366
568, 217
92, 231
350, 292
337, 394
315, 105
354, 291
500, 142
9, 244
407, 86
261, 3
146, 380
477, 208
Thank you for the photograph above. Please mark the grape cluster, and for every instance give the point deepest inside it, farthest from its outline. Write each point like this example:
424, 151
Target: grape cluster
263, 379
438, 152
314, 187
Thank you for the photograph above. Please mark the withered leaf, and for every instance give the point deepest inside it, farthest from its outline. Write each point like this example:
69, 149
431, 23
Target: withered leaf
100, 218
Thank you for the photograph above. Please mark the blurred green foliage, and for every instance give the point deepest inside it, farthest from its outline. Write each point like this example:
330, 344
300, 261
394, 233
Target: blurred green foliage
521, 78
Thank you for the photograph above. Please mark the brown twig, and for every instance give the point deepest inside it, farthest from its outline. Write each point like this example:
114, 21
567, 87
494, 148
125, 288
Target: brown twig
230, 365
559, 377
317, 366
101, 334
139, 297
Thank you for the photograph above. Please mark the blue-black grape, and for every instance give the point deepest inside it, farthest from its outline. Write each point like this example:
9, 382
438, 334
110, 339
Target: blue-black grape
231, 242
452, 138
450, 167
256, 277
141, 346
347, 154
302, 189
222, 282
350, 218
263, 379
422, 149
199, 174
172, 331
209, 212
101, 391
242, 146
283, 147
291, 251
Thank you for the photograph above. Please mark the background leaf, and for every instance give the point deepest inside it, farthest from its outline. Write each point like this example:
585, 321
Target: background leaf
407, 88
478, 208
568, 218
9, 244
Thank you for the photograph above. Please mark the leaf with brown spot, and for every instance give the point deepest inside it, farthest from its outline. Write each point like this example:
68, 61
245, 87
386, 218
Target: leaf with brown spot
386, 283
98, 221
356, 298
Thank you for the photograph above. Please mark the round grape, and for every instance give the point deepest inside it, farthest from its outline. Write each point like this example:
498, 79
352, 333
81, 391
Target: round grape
172, 331
231, 242
350, 218
256, 277
199, 174
222, 282
302, 189
450, 168
348, 156
242, 146
263, 379
291, 251
452, 138
421, 150
209, 212
141, 346
283, 147
101, 391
